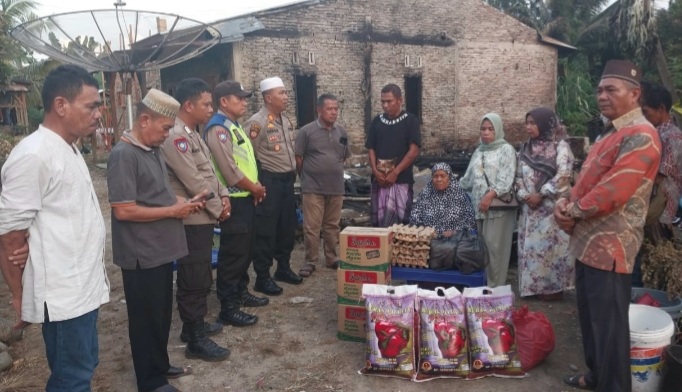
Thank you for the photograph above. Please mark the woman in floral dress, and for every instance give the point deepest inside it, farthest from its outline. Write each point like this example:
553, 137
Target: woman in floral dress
543, 174
490, 174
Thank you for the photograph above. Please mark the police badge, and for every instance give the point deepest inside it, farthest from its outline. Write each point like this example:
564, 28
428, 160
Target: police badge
181, 144
222, 136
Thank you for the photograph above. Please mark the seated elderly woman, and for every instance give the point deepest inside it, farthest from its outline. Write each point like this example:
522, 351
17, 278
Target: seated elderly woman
444, 206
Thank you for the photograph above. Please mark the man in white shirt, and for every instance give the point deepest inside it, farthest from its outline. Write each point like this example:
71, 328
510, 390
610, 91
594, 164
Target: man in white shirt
47, 193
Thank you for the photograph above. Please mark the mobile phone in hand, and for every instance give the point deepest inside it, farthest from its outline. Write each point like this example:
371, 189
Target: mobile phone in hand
204, 198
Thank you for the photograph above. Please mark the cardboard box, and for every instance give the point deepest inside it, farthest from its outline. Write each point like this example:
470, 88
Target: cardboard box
352, 320
349, 282
365, 246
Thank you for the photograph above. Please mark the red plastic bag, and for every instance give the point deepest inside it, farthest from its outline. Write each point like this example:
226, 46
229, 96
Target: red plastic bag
534, 337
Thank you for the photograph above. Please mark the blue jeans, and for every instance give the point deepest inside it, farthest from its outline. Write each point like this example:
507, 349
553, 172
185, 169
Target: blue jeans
72, 352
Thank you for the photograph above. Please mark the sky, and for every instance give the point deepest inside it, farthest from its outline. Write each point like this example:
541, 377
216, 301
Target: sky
203, 11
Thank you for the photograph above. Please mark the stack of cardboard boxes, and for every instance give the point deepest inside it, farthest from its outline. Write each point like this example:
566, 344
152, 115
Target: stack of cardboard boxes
365, 258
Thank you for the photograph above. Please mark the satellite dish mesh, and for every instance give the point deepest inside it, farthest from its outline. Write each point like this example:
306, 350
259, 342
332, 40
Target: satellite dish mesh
117, 40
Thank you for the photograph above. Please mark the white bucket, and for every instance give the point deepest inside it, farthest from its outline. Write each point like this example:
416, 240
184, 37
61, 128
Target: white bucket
651, 331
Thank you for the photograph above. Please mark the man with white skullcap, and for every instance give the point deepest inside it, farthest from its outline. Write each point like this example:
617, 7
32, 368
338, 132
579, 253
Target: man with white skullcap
147, 235
48, 193
272, 137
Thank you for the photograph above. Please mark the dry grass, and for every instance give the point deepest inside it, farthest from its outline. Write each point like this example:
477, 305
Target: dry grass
662, 267
20, 376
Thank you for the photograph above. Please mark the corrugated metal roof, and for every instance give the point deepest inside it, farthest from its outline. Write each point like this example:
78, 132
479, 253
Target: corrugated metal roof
233, 30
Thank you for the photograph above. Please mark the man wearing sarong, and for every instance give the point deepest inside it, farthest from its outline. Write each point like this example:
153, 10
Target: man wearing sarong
393, 141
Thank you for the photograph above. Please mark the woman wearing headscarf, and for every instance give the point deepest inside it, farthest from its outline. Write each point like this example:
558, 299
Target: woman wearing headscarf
543, 175
490, 174
443, 205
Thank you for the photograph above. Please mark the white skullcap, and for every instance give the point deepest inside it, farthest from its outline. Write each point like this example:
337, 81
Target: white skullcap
270, 83
161, 103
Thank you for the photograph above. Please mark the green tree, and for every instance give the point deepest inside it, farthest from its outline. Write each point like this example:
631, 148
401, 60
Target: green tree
533, 13
669, 24
12, 54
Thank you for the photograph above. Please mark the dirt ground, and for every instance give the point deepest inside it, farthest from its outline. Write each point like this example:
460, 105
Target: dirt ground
292, 348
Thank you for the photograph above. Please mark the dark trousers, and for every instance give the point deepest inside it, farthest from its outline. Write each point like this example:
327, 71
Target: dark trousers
72, 348
603, 305
236, 248
275, 223
149, 299
195, 277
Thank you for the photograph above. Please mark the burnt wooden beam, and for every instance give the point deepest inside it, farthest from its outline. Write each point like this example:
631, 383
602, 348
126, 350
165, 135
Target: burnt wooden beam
397, 37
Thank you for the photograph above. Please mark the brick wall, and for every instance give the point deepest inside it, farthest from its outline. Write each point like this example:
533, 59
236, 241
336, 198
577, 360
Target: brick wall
474, 60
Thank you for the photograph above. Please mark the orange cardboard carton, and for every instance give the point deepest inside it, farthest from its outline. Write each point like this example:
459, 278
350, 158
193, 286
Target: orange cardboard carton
349, 282
365, 246
352, 320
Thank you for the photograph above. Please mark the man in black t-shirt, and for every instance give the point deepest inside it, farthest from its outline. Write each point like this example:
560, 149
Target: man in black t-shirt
393, 142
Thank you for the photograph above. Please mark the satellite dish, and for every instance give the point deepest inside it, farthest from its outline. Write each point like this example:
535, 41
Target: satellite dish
118, 40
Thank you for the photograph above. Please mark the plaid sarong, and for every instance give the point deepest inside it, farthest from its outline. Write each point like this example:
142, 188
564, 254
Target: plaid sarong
391, 205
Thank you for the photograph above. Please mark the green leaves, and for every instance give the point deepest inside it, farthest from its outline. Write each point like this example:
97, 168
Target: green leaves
576, 101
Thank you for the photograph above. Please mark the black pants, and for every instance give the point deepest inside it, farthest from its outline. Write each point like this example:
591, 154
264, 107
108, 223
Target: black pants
236, 248
149, 299
195, 277
275, 223
603, 305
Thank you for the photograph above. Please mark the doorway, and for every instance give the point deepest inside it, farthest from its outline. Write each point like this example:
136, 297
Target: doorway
306, 98
413, 95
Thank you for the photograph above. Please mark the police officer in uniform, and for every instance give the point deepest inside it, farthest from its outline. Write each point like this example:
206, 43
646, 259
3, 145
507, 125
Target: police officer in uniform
190, 172
272, 137
235, 165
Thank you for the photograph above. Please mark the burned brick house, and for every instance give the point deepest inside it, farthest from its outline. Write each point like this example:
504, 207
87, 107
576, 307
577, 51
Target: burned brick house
455, 60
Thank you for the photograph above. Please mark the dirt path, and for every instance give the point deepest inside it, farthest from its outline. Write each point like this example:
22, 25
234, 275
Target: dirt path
292, 348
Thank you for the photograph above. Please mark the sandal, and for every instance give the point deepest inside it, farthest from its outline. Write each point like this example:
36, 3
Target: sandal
307, 270
574, 381
334, 265
177, 372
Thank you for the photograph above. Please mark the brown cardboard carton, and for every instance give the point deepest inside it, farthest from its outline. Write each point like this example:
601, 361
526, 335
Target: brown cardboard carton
349, 282
365, 246
352, 320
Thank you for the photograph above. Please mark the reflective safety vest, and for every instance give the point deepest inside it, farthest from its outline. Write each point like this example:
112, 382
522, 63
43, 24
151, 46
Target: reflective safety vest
242, 152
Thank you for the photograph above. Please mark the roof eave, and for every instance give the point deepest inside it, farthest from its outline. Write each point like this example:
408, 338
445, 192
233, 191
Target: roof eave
554, 42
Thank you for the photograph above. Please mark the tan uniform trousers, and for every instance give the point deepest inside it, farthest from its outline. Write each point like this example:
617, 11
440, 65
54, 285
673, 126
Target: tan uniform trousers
321, 213
497, 233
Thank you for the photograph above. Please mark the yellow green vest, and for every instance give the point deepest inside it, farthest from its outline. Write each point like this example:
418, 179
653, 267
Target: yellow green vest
242, 152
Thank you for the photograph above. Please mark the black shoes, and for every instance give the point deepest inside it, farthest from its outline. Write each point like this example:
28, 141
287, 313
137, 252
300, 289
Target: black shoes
201, 347
249, 300
237, 318
267, 287
287, 276
210, 329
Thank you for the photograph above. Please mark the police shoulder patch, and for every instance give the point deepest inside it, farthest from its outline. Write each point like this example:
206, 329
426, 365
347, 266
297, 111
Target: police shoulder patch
181, 144
254, 130
222, 135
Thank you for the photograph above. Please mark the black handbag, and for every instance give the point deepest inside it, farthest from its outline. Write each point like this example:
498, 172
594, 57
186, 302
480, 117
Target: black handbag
471, 254
465, 252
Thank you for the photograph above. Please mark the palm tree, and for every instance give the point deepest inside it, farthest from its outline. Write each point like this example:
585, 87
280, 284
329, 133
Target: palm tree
635, 26
12, 54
